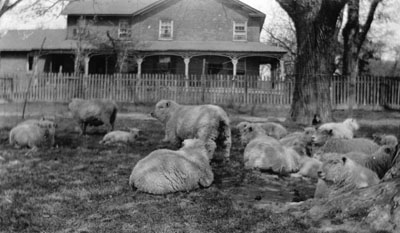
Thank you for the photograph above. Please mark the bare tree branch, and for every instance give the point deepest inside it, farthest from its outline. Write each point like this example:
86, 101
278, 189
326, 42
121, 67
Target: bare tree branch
6, 6
367, 25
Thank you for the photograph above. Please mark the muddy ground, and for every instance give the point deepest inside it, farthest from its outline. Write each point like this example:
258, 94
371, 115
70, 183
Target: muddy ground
82, 186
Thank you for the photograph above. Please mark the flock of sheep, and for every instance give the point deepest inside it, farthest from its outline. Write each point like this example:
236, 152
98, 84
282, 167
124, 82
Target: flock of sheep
329, 152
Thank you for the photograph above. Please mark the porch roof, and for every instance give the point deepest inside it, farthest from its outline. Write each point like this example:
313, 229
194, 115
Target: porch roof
28, 40
209, 46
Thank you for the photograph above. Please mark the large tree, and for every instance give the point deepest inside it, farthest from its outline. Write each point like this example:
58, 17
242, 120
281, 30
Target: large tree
7, 5
315, 23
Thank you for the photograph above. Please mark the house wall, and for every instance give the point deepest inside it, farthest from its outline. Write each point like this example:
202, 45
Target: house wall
193, 20
13, 62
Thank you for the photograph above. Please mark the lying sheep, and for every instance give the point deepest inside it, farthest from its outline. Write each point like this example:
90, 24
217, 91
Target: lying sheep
339, 175
49, 125
93, 112
380, 161
343, 146
385, 139
28, 135
266, 153
271, 128
345, 129
166, 171
309, 167
209, 123
118, 136
306, 137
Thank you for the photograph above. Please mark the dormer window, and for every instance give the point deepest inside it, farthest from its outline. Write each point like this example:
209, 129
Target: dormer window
166, 29
124, 31
240, 31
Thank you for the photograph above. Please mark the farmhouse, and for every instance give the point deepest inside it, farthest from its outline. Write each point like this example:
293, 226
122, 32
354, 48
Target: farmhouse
187, 37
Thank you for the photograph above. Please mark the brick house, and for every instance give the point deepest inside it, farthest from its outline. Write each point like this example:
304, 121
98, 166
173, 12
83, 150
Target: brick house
146, 36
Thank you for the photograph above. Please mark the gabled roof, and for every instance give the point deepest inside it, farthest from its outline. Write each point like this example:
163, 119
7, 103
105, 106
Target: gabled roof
132, 7
28, 40
107, 7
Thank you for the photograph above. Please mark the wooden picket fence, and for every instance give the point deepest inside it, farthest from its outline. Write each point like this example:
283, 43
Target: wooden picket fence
371, 92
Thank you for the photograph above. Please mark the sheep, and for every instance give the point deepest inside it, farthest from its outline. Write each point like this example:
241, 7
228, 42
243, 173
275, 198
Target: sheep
271, 128
343, 146
380, 161
46, 124
209, 123
341, 174
266, 153
343, 129
118, 136
306, 137
28, 135
93, 112
166, 171
385, 139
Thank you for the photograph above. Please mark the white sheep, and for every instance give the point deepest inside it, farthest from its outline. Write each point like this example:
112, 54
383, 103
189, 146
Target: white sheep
118, 136
272, 129
267, 153
93, 112
209, 123
343, 146
46, 124
28, 135
345, 129
166, 171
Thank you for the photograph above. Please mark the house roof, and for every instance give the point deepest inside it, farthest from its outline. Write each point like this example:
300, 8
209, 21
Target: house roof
130, 7
107, 7
29, 40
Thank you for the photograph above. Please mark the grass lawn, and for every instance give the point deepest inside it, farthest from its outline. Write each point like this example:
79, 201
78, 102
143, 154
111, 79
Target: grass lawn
82, 186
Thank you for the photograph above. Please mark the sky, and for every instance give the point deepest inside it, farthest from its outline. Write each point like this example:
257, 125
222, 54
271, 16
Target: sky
23, 20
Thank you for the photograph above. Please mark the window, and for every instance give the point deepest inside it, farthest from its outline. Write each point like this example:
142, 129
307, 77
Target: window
240, 31
124, 30
166, 29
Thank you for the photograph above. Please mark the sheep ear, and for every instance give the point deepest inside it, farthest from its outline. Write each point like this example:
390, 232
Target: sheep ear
330, 132
250, 129
388, 150
167, 104
344, 159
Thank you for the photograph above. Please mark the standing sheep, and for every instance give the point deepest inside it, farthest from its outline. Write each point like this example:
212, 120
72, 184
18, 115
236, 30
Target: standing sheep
166, 171
343, 129
209, 123
93, 112
28, 135
118, 136
339, 175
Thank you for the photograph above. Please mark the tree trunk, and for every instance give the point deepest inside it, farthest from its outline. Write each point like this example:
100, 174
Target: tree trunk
315, 23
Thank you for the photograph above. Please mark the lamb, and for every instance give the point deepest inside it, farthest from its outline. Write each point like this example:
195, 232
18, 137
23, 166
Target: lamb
309, 167
93, 112
209, 123
339, 175
385, 139
345, 129
271, 128
117, 136
28, 135
266, 153
166, 171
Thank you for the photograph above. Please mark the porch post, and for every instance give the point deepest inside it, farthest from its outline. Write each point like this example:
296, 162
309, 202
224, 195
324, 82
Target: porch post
35, 64
87, 59
139, 62
282, 70
187, 61
234, 62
